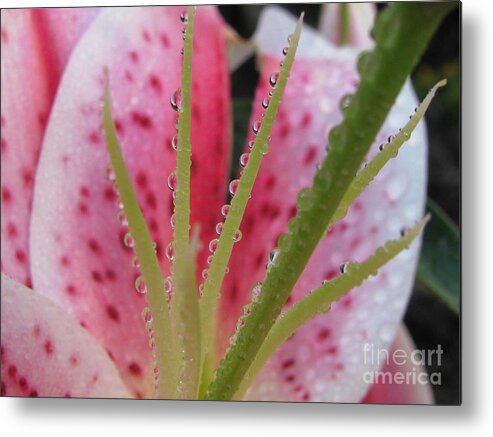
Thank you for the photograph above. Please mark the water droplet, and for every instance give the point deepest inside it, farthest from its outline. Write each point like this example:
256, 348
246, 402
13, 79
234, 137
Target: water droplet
119, 203
244, 159
136, 262
128, 240
344, 268
172, 181
170, 251
390, 138
140, 285
174, 142
256, 127
109, 173
146, 315
264, 149
305, 198
237, 236
257, 288
201, 289
213, 245
152, 343
225, 210
168, 285
182, 52
176, 100
122, 218
233, 186
381, 147
205, 273
251, 144
285, 51
271, 260
406, 135
219, 228
184, 17
265, 103
274, 77
210, 258
173, 221
363, 61
290, 37
345, 102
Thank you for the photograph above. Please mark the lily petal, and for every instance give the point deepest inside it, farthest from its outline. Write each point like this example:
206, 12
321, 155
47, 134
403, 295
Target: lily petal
36, 44
79, 259
47, 353
323, 361
406, 393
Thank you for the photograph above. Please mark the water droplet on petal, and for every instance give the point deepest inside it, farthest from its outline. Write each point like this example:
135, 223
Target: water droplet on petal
381, 147
140, 285
225, 210
237, 236
290, 37
285, 51
256, 127
265, 103
251, 144
213, 245
122, 218
128, 240
173, 221
172, 181
233, 186
274, 77
219, 228
136, 262
244, 159
264, 149
404, 231
176, 100
109, 173
210, 258
257, 288
170, 251
184, 17
146, 315
168, 285
344, 268
390, 138
205, 273
174, 142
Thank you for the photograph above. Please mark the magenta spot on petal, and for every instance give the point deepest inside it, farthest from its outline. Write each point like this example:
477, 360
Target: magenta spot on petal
27, 178
12, 371
94, 246
36, 331
20, 256
94, 137
110, 274
113, 313
270, 182
289, 378
284, 132
84, 191
48, 347
6, 195
73, 360
306, 120
22, 383
33, 393
286, 364
332, 350
11, 230
109, 194
146, 36
323, 334
83, 209
141, 180
70, 289
134, 56
310, 155
155, 83
151, 200
164, 40
97, 276
135, 369
141, 119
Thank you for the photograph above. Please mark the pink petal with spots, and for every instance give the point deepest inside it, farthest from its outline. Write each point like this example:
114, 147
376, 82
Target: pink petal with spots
36, 44
406, 392
324, 359
79, 258
47, 353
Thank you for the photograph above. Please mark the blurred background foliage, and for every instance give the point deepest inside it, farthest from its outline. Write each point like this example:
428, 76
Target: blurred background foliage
430, 320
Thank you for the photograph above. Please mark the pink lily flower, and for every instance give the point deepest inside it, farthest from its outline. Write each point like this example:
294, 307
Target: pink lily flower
79, 332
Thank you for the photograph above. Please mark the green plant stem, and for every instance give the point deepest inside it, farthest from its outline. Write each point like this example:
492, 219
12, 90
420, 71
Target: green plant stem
344, 23
402, 33
166, 354
232, 223
320, 300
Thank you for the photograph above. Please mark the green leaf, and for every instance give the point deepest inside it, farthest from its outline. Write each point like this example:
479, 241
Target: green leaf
439, 264
231, 226
320, 300
402, 33
166, 355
